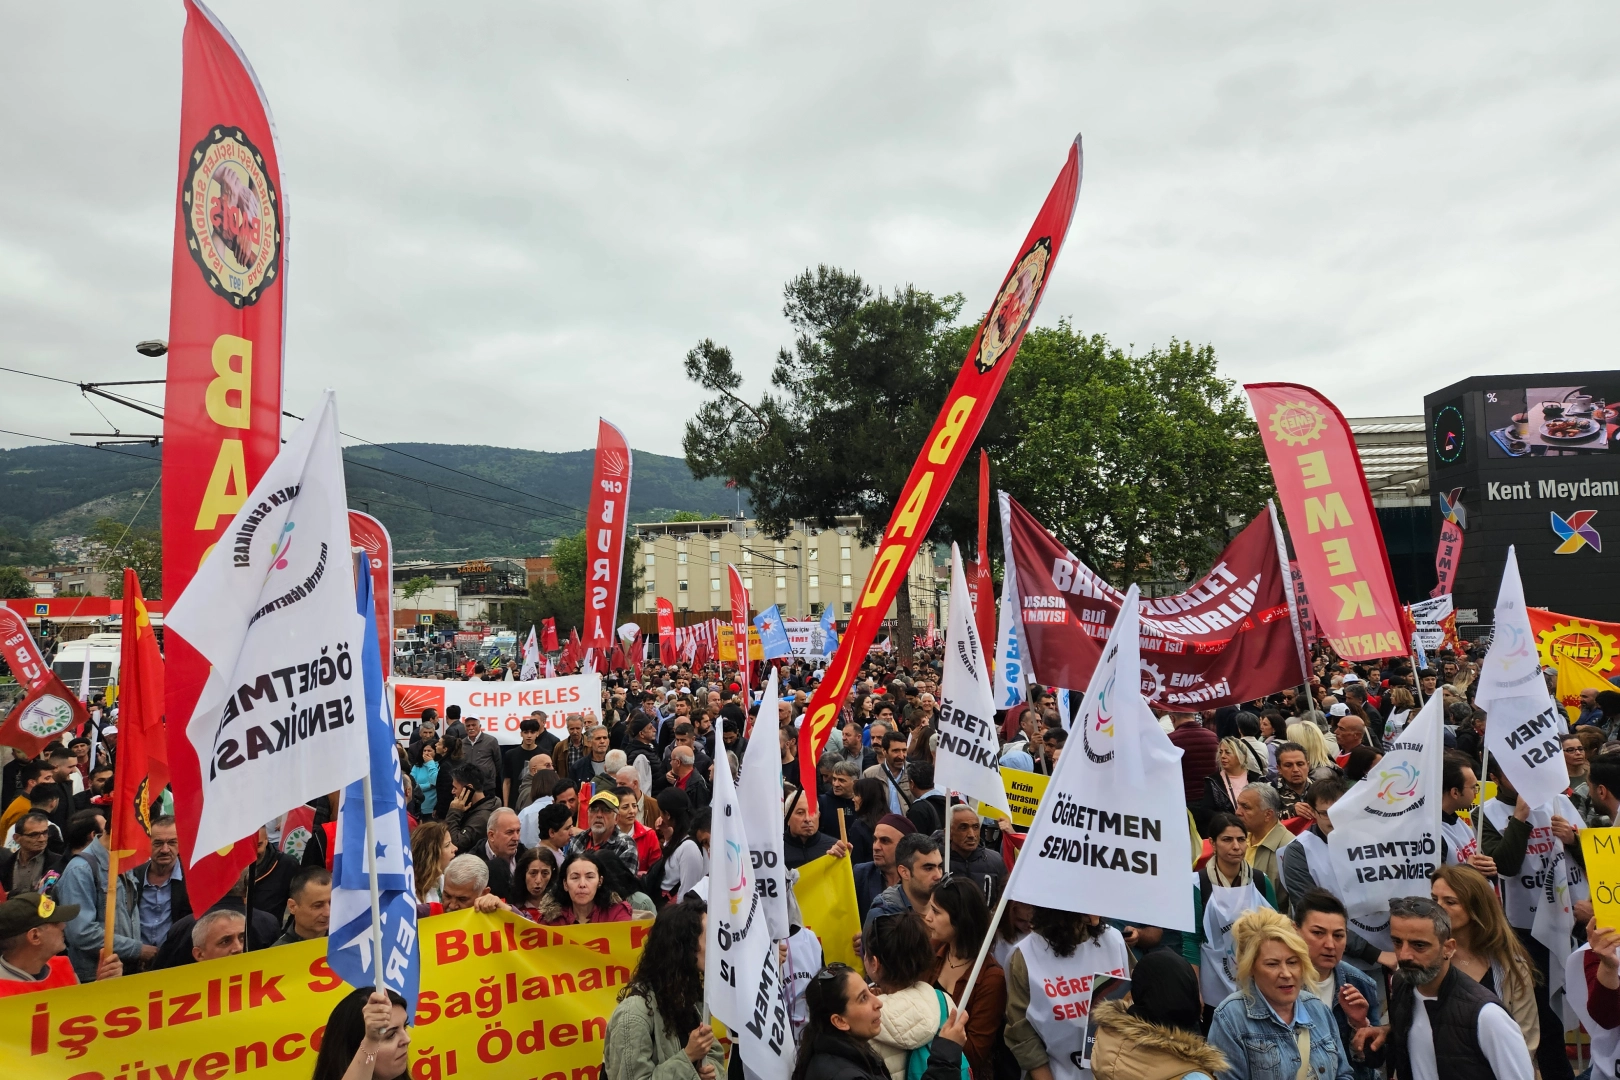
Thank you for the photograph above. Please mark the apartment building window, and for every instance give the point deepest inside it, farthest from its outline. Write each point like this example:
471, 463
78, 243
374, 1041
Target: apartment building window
714, 586
714, 555
845, 582
843, 553
680, 557
781, 583
815, 609
652, 587
815, 581
652, 560
748, 556
815, 554
781, 555
683, 586
848, 607
748, 585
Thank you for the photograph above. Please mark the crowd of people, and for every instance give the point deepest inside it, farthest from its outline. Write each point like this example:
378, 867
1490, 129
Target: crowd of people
605, 817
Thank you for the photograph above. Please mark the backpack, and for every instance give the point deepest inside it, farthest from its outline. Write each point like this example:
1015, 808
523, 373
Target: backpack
917, 1059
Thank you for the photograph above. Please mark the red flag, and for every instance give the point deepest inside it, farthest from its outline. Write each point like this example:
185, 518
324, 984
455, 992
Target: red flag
739, 628
1330, 514
370, 534
638, 652
47, 709
667, 654
222, 427
143, 755
984, 593
1447, 554
616, 660
966, 406
604, 534
548, 635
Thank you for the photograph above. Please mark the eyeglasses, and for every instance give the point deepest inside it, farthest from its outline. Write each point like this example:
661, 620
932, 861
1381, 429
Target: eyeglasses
37, 835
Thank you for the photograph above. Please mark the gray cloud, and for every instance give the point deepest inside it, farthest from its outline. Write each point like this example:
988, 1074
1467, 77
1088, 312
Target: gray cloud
507, 218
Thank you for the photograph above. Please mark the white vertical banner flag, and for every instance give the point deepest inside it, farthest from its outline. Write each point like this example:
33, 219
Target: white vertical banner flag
281, 718
1386, 829
966, 761
742, 980
759, 793
1010, 679
1110, 836
531, 657
1523, 721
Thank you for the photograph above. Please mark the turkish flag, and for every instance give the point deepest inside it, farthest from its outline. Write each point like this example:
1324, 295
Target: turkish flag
143, 753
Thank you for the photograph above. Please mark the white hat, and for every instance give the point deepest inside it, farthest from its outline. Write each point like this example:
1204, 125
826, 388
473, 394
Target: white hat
1339, 709
1351, 678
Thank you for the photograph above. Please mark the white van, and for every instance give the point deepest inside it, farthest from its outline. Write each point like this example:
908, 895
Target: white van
100, 651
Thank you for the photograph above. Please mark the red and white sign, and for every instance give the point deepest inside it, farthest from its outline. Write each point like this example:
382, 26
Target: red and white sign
501, 706
666, 633
739, 623
1330, 515
222, 424
1447, 554
1226, 640
604, 534
48, 708
369, 534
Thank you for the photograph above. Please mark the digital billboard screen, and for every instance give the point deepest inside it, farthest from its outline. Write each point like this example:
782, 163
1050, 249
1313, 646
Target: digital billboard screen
1538, 422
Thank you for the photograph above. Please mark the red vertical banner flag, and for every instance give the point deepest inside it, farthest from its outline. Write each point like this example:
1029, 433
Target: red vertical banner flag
222, 423
47, 708
370, 535
1447, 554
143, 755
1337, 541
984, 598
966, 406
604, 534
667, 653
739, 626
548, 635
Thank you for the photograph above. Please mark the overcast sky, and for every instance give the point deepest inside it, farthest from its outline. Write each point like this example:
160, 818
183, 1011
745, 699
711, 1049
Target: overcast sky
508, 218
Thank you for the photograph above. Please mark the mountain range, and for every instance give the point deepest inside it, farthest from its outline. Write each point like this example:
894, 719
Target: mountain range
439, 501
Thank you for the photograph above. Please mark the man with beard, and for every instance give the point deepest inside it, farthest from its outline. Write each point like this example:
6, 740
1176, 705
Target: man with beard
1437, 1013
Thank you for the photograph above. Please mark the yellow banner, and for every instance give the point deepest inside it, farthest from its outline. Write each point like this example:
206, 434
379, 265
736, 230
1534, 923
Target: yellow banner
501, 997
826, 894
1024, 791
728, 647
1602, 850
1573, 677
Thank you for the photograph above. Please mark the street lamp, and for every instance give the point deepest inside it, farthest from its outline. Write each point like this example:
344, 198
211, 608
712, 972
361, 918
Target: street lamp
152, 347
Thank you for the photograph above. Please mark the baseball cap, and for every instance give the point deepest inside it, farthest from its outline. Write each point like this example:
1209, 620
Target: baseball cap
26, 910
607, 798
1340, 709
1351, 678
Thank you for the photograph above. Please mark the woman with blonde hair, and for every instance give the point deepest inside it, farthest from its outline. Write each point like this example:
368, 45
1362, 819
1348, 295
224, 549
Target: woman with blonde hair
1272, 1023
1238, 769
1401, 706
1317, 754
431, 851
1488, 951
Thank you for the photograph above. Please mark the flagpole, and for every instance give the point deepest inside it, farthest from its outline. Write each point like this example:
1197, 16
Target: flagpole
110, 917
948, 837
371, 875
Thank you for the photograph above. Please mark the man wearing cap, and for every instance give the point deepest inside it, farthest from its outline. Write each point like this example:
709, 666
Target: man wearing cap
31, 944
871, 878
604, 836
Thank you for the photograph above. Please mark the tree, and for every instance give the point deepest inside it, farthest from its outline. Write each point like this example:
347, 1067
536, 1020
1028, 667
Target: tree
14, 584
138, 548
22, 550
856, 396
417, 586
564, 599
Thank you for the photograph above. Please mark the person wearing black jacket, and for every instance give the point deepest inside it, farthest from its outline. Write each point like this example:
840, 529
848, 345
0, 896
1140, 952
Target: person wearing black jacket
845, 1015
262, 930
32, 858
270, 878
801, 840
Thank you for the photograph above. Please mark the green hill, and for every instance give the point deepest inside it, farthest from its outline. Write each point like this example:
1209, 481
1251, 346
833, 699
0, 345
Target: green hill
438, 501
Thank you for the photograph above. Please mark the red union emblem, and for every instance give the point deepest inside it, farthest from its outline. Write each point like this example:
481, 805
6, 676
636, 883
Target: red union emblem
232, 220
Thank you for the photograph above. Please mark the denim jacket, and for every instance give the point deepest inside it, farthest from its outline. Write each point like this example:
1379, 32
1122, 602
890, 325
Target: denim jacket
1349, 973
1261, 1047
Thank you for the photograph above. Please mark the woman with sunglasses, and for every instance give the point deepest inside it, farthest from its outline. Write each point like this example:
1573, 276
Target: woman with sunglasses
845, 1016
1049, 976
958, 919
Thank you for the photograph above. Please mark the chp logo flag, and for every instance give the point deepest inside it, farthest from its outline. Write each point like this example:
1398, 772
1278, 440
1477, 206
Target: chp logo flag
548, 641
742, 980
1110, 836
966, 405
966, 761
272, 611
378, 842
1330, 516
759, 793
604, 534
1525, 722
1386, 829
773, 638
47, 708
668, 652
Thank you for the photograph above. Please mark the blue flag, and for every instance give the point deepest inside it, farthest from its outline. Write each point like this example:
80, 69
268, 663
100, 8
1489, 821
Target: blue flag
773, 639
829, 631
348, 946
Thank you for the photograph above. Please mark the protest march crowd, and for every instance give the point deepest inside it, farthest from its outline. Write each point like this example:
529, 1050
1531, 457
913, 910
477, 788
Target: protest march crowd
499, 827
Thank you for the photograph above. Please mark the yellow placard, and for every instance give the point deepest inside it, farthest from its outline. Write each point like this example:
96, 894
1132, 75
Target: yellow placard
1024, 791
1602, 850
826, 894
500, 997
728, 648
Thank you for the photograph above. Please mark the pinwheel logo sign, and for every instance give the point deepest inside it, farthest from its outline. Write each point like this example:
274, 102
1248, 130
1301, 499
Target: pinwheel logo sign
1576, 532
1398, 785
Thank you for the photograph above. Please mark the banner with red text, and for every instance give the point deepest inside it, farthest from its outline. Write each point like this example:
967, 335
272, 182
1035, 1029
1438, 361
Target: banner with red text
604, 534
222, 420
666, 632
501, 706
500, 997
1447, 554
968, 402
47, 708
368, 533
1226, 640
1331, 521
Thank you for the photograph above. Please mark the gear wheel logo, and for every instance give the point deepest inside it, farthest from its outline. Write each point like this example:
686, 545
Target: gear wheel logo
1152, 681
1583, 643
1297, 422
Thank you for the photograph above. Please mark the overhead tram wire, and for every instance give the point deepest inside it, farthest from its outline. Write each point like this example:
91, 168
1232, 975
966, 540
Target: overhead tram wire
403, 506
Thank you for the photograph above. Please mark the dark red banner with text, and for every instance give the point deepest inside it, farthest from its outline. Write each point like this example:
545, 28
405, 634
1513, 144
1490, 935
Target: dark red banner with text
966, 405
604, 535
222, 414
1227, 640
